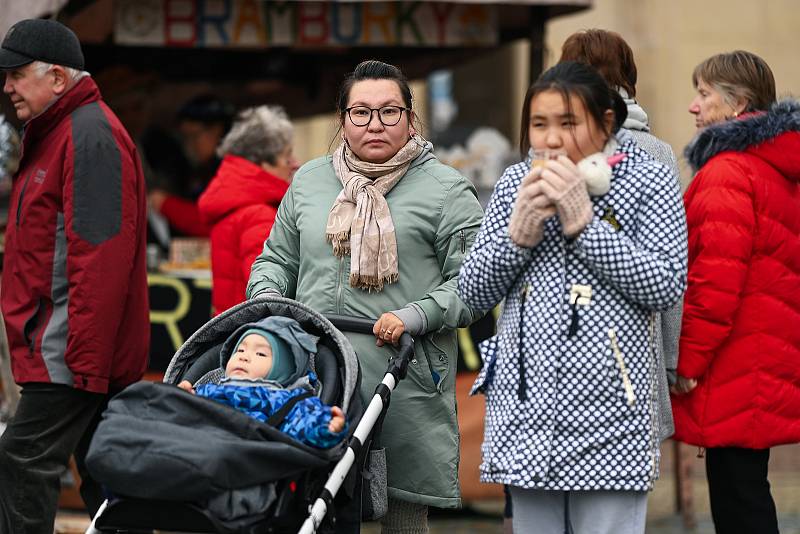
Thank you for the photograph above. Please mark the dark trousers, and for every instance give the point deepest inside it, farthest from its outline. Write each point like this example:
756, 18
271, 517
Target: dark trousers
741, 502
52, 422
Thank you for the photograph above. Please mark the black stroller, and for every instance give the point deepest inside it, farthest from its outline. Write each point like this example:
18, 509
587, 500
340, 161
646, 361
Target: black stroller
299, 483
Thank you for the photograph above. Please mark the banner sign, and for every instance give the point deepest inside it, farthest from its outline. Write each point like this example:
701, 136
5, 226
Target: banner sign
262, 24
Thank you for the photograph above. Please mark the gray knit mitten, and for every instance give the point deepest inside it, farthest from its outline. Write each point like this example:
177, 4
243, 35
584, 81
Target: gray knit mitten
565, 187
531, 210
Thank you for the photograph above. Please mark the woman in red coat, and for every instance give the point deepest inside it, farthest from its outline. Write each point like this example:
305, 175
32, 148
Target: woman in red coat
738, 389
241, 201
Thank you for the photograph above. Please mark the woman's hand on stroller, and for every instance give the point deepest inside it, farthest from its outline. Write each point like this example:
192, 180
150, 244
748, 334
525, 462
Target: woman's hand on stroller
186, 385
337, 420
388, 329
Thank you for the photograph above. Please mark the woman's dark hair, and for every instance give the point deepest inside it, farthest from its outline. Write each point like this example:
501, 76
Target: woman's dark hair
607, 52
571, 78
208, 109
372, 70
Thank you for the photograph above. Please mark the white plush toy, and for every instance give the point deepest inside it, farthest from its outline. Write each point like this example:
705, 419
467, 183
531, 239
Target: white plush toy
596, 169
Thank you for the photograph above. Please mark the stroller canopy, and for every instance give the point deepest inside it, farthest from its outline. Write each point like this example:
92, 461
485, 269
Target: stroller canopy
213, 334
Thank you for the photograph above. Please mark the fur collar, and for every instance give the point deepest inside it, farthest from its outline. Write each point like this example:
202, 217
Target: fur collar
738, 135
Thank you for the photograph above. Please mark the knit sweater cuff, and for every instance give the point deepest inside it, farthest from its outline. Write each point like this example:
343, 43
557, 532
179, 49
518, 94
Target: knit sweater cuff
414, 320
267, 292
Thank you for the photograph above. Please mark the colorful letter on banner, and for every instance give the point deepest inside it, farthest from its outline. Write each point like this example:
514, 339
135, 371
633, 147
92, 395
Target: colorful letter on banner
249, 19
180, 22
250, 23
312, 23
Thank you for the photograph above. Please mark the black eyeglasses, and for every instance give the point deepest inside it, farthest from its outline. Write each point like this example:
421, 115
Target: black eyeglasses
388, 115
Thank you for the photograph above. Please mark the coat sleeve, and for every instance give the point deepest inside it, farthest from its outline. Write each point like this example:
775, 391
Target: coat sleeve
459, 221
494, 262
277, 266
721, 217
253, 235
184, 215
649, 266
102, 198
308, 422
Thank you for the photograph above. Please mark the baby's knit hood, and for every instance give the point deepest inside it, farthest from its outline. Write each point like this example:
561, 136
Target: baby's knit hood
289, 331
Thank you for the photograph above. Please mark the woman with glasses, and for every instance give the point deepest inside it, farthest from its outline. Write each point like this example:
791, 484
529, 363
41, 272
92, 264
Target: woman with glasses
379, 229
571, 376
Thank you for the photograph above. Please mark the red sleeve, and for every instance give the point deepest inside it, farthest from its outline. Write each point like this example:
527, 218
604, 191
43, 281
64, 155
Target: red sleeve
721, 222
184, 216
102, 197
253, 235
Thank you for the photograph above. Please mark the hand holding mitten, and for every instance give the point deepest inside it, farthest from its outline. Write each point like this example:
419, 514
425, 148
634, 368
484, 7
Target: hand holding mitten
531, 210
565, 187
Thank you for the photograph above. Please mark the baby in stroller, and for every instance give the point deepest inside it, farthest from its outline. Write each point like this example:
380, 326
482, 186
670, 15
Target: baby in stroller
266, 373
175, 461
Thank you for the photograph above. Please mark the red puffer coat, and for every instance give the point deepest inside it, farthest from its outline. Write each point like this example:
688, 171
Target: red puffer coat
741, 324
240, 204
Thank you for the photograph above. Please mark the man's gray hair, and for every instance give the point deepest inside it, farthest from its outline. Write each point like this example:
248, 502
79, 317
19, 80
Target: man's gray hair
259, 134
42, 68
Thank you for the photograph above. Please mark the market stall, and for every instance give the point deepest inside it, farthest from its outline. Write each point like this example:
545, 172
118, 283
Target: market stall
149, 55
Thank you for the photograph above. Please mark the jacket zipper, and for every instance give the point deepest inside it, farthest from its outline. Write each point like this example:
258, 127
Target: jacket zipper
463, 239
339, 286
522, 391
655, 415
626, 381
22, 196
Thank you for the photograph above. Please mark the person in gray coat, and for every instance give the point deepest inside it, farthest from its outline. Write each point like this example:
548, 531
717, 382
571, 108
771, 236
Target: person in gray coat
608, 52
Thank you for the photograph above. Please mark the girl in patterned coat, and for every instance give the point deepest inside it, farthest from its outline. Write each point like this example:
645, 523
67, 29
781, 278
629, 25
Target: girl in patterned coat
570, 378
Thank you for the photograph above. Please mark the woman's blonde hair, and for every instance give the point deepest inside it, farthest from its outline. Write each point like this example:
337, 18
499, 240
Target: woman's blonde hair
739, 76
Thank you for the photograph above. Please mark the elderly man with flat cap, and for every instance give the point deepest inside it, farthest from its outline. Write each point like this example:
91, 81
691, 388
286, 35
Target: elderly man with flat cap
74, 286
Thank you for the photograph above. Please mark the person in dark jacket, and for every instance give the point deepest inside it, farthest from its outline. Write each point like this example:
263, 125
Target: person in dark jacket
74, 292
241, 202
266, 366
202, 121
738, 388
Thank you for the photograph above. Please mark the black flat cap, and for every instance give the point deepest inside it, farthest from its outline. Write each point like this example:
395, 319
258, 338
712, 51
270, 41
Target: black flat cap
43, 40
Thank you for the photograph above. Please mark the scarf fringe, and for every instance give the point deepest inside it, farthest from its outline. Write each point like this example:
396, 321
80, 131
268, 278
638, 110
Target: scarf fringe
340, 242
370, 282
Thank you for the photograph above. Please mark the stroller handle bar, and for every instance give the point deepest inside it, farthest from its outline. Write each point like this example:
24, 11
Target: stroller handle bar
360, 325
372, 415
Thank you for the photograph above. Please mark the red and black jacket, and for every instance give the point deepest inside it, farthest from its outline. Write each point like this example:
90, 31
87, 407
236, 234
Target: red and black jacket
74, 281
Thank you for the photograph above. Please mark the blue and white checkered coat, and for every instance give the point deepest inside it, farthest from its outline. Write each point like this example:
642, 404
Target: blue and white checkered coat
584, 416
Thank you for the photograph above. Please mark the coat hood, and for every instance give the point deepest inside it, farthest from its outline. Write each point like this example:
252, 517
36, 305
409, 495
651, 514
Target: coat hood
637, 117
301, 343
237, 184
773, 136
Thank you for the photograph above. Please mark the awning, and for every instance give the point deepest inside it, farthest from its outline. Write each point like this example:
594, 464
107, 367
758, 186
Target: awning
243, 24
13, 11
294, 52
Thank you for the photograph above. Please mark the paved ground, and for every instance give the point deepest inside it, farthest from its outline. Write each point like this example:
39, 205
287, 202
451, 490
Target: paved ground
484, 517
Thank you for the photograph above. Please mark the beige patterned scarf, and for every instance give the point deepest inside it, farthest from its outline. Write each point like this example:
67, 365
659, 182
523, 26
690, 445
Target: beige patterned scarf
360, 222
